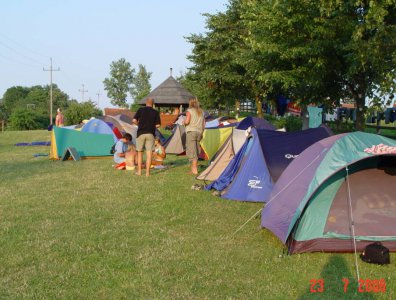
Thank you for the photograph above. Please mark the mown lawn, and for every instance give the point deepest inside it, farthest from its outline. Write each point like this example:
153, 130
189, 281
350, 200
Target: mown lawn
82, 230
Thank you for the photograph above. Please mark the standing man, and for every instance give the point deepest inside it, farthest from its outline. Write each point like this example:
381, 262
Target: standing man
59, 118
148, 120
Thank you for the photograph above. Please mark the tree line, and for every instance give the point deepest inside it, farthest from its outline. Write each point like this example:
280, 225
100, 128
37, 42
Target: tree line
27, 108
313, 52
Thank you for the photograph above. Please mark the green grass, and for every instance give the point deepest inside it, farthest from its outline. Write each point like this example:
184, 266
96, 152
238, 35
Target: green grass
78, 230
391, 133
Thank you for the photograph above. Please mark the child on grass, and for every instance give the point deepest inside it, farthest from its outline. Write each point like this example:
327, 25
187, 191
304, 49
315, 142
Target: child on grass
158, 153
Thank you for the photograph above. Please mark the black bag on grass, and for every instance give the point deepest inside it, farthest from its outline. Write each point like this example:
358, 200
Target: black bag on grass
376, 253
112, 150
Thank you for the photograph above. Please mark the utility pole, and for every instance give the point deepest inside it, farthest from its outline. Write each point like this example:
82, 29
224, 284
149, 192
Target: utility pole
98, 94
51, 70
82, 91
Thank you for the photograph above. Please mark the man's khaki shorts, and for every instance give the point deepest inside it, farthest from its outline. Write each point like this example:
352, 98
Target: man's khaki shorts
145, 141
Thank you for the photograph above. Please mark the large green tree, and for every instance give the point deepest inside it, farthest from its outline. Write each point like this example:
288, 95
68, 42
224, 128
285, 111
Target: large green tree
193, 83
215, 54
318, 51
312, 51
12, 96
141, 86
120, 81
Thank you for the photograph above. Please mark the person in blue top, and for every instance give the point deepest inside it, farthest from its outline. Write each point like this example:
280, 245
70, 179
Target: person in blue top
121, 148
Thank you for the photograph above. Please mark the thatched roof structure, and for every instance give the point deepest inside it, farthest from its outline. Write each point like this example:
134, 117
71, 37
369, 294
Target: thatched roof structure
170, 93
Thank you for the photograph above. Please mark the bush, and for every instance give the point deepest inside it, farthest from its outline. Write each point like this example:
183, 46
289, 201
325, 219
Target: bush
76, 112
341, 127
278, 122
22, 119
293, 123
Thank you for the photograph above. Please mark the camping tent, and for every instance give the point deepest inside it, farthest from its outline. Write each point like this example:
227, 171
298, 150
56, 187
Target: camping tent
122, 126
98, 126
225, 154
259, 123
86, 143
258, 164
176, 142
340, 178
125, 127
231, 146
213, 138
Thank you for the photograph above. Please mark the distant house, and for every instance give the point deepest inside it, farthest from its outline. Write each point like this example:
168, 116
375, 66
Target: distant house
348, 105
169, 94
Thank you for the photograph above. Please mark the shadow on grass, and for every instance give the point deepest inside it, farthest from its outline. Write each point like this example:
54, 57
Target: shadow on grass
335, 282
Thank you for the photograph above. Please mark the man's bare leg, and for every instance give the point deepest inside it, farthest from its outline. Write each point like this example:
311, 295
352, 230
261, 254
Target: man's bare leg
148, 162
139, 161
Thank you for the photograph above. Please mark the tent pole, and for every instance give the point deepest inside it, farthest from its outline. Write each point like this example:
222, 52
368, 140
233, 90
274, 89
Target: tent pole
251, 218
352, 226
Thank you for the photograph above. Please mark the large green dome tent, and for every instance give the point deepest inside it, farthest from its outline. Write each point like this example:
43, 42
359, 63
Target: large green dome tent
336, 194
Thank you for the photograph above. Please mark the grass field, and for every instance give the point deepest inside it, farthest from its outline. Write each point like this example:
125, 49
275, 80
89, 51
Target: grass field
82, 230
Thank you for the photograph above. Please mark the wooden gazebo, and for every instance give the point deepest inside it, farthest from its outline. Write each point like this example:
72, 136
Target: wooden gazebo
169, 93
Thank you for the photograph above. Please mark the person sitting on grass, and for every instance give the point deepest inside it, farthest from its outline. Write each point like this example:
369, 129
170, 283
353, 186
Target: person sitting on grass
159, 153
130, 157
121, 154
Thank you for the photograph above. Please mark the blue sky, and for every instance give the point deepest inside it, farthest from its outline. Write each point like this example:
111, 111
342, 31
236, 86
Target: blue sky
84, 37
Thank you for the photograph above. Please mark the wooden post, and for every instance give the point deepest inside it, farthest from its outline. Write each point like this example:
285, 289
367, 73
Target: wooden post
378, 125
237, 108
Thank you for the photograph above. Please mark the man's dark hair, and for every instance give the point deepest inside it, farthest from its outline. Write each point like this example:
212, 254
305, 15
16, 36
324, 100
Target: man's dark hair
127, 136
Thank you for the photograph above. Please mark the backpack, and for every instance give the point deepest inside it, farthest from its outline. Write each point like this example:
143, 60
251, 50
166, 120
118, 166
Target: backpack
112, 150
376, 253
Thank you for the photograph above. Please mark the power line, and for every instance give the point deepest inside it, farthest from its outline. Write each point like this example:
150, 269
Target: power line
22, 46
82, 91
51, 70
21, 54
98, 94
9, 59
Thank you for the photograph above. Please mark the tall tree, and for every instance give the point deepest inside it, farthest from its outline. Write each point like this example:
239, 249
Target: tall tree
321, 50
215, 57
119, 83
193, 83
12, 96
141, 86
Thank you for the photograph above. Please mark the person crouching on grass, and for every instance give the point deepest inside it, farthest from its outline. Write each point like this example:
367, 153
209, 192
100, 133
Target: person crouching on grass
125, 153
159, 153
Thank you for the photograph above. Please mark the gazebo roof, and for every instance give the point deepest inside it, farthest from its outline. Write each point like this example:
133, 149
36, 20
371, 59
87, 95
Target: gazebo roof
170, 92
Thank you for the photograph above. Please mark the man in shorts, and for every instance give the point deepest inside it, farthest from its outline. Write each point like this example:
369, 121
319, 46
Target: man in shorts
148, 120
